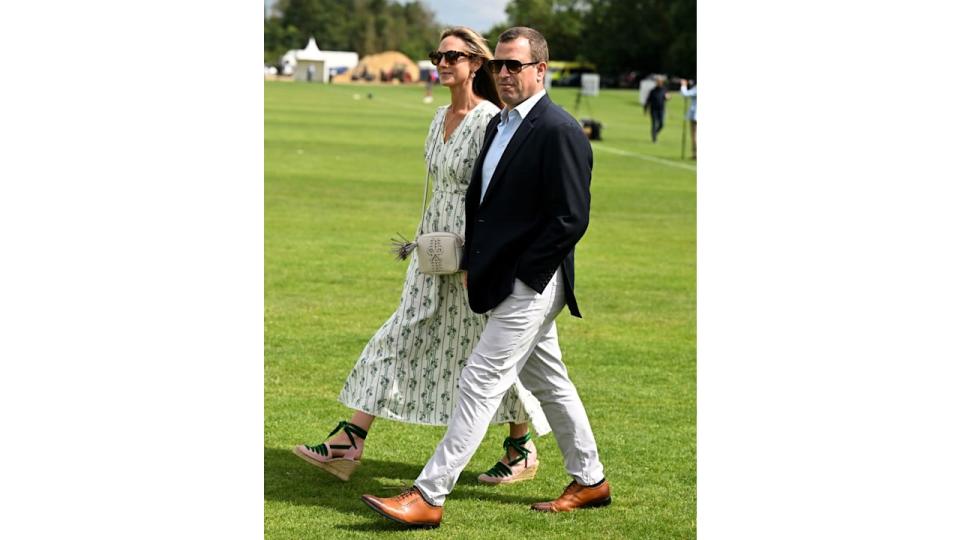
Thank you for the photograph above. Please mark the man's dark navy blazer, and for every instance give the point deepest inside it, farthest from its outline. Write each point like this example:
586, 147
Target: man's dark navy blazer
536, 208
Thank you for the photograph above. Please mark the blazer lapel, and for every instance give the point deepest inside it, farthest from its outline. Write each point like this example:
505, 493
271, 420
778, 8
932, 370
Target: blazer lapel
487, 138
491, 131
523, 131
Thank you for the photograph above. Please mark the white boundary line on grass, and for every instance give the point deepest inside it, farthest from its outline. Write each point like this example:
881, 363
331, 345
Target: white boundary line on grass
661, 161
603, 147
426, 107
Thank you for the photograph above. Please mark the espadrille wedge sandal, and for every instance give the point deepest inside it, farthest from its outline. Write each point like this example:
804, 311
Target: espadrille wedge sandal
523, 467
321, 455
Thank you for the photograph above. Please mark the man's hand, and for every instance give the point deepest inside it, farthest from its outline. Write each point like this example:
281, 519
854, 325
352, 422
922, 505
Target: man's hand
464, 278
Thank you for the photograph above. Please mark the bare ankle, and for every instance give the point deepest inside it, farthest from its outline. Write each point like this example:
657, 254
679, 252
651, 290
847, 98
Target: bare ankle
343, 438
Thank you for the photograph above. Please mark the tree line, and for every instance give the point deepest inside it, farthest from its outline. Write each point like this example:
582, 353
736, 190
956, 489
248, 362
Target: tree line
364, 26
646, 36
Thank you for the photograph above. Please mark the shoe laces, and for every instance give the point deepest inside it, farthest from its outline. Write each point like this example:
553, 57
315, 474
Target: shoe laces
407, 494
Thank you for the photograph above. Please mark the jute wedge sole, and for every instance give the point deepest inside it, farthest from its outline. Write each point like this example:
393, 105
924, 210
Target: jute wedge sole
527, 474
340, 467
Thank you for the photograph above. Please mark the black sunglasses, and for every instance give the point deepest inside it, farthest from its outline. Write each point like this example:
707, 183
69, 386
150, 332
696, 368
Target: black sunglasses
450, 56
513, 66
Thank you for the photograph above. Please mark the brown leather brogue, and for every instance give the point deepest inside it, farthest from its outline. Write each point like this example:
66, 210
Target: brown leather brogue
409, 508
576, 496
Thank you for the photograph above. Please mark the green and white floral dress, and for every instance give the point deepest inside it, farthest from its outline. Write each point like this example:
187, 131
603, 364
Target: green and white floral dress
410, 369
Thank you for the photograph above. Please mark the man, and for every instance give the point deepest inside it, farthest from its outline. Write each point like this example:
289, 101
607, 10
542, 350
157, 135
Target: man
527, 206
692, 112
655, 105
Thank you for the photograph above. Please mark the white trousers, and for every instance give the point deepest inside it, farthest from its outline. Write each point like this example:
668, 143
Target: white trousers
520, 340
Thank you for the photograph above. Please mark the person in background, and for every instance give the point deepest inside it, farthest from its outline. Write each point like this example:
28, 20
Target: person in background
431, 78
655, 105
692, 112
410, 369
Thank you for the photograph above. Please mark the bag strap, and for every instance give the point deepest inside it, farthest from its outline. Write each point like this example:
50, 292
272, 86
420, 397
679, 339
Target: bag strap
423, 209
401, 247
426, 178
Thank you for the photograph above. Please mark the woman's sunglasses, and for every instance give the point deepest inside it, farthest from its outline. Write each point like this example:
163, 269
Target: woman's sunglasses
513, 66
450, 56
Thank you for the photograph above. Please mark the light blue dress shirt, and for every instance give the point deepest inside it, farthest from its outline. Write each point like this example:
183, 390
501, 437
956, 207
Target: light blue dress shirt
690, 93
510, 120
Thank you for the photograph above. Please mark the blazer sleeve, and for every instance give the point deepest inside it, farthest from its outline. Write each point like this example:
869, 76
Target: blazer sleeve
568, 161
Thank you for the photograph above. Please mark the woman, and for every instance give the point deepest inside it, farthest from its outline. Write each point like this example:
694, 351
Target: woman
410, 367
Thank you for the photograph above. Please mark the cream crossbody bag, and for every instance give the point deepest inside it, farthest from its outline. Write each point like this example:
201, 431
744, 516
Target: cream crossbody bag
438, 253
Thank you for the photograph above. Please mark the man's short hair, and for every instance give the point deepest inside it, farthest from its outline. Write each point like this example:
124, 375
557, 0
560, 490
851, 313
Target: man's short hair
538, 44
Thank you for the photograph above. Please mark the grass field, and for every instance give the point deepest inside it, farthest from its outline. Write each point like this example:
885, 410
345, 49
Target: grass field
343, 173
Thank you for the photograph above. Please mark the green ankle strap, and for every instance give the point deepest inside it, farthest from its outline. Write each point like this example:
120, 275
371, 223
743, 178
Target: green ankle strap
499, 469
517, 445
349, 429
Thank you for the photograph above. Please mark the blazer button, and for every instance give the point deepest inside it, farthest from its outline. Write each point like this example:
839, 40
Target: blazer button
481, 220
476, 252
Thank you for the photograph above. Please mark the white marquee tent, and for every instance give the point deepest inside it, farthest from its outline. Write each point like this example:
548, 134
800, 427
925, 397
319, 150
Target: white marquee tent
298, 62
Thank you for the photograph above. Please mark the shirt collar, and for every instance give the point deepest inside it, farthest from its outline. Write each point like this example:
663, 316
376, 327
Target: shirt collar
524, 108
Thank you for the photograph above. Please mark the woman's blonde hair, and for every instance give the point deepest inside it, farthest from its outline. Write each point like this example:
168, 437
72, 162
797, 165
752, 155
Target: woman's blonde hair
483, 83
